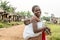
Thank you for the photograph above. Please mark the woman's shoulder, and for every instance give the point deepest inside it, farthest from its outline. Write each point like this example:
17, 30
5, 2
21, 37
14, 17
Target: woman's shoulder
33, 18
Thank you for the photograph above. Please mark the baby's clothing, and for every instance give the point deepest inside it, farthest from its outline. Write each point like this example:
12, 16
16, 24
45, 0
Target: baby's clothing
28, 31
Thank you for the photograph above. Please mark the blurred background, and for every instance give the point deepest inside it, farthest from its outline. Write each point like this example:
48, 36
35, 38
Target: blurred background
13, 13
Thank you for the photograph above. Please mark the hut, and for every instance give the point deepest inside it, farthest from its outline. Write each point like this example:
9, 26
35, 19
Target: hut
16, 17
5, 16
1, 13
10, 17
58, 21
55, 20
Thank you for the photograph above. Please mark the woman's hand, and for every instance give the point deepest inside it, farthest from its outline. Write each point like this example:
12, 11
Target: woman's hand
47, 31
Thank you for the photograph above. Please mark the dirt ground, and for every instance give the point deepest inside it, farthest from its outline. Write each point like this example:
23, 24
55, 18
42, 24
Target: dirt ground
12, 33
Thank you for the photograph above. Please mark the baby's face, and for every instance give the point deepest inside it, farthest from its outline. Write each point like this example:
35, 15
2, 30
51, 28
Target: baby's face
28, 21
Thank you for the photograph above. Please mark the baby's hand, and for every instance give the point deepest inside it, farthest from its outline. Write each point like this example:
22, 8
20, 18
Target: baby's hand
37, 19
48, 32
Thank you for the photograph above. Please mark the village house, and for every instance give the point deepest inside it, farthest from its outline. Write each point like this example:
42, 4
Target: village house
55, 20
1, 13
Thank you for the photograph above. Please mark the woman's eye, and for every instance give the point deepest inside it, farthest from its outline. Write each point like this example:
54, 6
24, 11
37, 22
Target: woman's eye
36, 10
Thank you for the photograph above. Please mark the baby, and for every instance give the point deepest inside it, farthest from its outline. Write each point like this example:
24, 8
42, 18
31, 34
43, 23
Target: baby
47, 30
27, 21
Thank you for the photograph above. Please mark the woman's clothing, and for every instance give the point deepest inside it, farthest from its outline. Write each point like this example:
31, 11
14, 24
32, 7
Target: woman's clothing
43, 36
28, 31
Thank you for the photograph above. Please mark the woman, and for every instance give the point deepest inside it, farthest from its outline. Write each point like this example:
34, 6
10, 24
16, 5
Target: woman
37, 12
35, 30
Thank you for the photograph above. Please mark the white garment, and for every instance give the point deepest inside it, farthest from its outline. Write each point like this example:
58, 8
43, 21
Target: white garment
28, 31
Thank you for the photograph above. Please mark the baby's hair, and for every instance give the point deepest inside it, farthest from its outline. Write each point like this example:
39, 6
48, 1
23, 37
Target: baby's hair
26, 21
34, 7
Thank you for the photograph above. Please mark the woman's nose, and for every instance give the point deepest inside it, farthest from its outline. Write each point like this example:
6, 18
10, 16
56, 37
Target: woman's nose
38, 11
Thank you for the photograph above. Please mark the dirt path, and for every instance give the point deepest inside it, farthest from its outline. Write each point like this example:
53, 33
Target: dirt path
12, 33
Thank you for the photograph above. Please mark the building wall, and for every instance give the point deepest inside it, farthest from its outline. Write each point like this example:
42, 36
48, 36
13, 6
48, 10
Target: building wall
58, 21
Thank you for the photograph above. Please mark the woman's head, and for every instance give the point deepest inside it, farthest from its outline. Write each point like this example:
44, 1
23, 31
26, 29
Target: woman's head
36, 10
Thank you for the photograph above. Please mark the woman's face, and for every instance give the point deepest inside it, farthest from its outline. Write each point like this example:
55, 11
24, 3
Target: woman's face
37, 11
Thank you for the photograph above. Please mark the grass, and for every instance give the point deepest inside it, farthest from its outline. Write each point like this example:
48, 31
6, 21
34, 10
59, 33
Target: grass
6, 24
55, 29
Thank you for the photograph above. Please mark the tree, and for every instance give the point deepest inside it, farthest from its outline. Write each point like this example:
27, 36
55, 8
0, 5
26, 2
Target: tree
46, 18
29, 14
11, 9
5, 6
22, 13
25, 14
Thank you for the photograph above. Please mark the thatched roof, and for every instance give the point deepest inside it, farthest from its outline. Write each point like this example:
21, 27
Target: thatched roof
1, 10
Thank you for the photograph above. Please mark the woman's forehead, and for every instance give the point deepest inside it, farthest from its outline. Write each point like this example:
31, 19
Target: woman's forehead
36, 8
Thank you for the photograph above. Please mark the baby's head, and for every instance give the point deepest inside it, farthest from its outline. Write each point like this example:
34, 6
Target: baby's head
27, 21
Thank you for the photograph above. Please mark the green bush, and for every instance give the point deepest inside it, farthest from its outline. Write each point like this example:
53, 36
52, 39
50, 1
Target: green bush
6, 24
1, 25
55, 29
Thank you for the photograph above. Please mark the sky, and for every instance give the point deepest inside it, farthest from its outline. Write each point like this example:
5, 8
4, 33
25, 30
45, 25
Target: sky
50, 6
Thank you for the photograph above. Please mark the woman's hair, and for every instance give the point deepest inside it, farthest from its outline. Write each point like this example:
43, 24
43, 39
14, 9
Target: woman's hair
34, 7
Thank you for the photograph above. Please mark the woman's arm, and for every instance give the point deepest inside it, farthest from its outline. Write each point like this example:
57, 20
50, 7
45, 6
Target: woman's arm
47, 30
35, 29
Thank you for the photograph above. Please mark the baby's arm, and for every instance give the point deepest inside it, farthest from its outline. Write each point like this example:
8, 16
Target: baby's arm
47, 30
37, 19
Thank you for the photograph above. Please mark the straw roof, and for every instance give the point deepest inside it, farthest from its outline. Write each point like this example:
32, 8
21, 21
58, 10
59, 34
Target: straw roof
1, 10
